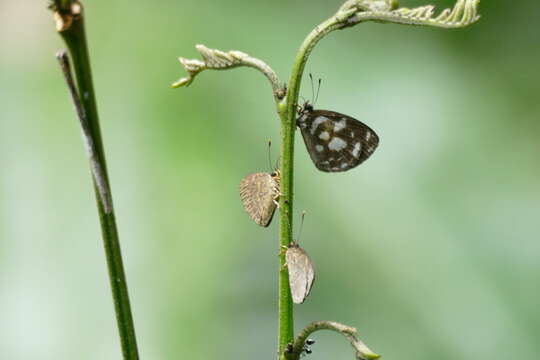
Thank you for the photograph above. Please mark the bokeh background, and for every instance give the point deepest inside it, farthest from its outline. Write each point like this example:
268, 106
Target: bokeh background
430, 248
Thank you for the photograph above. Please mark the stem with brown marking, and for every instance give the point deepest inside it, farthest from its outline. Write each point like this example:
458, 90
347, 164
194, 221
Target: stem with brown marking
70, 24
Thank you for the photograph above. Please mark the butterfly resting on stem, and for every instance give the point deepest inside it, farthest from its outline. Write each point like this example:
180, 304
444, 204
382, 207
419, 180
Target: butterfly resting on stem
335, 142
259, 193
301, 270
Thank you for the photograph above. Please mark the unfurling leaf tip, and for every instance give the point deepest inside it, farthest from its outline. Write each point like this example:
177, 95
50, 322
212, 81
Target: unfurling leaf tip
371, 356
181, 82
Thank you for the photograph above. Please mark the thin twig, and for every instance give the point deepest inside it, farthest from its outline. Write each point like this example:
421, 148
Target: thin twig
70, 25
97, 170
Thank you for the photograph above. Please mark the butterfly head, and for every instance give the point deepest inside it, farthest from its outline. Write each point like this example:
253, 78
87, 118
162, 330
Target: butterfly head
304, 112
276, 175
305, 109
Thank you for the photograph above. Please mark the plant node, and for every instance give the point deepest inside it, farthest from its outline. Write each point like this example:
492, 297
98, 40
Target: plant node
65, 12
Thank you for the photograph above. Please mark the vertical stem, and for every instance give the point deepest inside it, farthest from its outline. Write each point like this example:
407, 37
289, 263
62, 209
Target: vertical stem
286, 320
75, 38
287, 112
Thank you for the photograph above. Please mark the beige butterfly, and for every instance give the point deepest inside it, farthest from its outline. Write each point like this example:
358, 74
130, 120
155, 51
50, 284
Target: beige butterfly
259, 193
301, 272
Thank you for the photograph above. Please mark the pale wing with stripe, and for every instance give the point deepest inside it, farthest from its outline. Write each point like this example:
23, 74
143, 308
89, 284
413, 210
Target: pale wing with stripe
301, 272
259, 193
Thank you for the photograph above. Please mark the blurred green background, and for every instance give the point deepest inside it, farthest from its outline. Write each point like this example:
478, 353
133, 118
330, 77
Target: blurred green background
430, 248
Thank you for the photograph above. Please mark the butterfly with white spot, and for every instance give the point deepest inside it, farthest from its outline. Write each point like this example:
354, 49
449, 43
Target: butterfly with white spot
335, 142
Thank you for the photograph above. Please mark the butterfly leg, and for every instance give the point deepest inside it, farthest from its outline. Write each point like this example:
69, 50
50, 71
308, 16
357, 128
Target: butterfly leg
276, 198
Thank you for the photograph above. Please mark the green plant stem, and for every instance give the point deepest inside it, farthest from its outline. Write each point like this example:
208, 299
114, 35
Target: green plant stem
287, 112
75, 39
285, 318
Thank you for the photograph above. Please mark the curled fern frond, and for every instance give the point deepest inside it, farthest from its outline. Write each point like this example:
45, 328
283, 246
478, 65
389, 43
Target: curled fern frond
464, 13
214, 59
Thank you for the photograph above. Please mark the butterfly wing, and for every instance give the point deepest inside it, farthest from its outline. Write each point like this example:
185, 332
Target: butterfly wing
336, 142
301, 273
258, 193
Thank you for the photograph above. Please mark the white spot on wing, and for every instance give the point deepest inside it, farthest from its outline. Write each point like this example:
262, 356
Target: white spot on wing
344, 165
356, 149
337, 144
319, 148
324, 135
339, 125
318, 121
368, 135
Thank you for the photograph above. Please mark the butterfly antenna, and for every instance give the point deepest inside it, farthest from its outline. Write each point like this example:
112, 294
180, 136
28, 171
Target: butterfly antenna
299, 107
301, 226
312, 87
269, 155
318, 89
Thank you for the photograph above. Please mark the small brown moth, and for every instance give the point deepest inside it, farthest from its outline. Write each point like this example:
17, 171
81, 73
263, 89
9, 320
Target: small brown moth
301, 272
259, 193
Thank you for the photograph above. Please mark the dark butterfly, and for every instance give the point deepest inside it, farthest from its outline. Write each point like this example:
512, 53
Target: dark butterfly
335, 142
